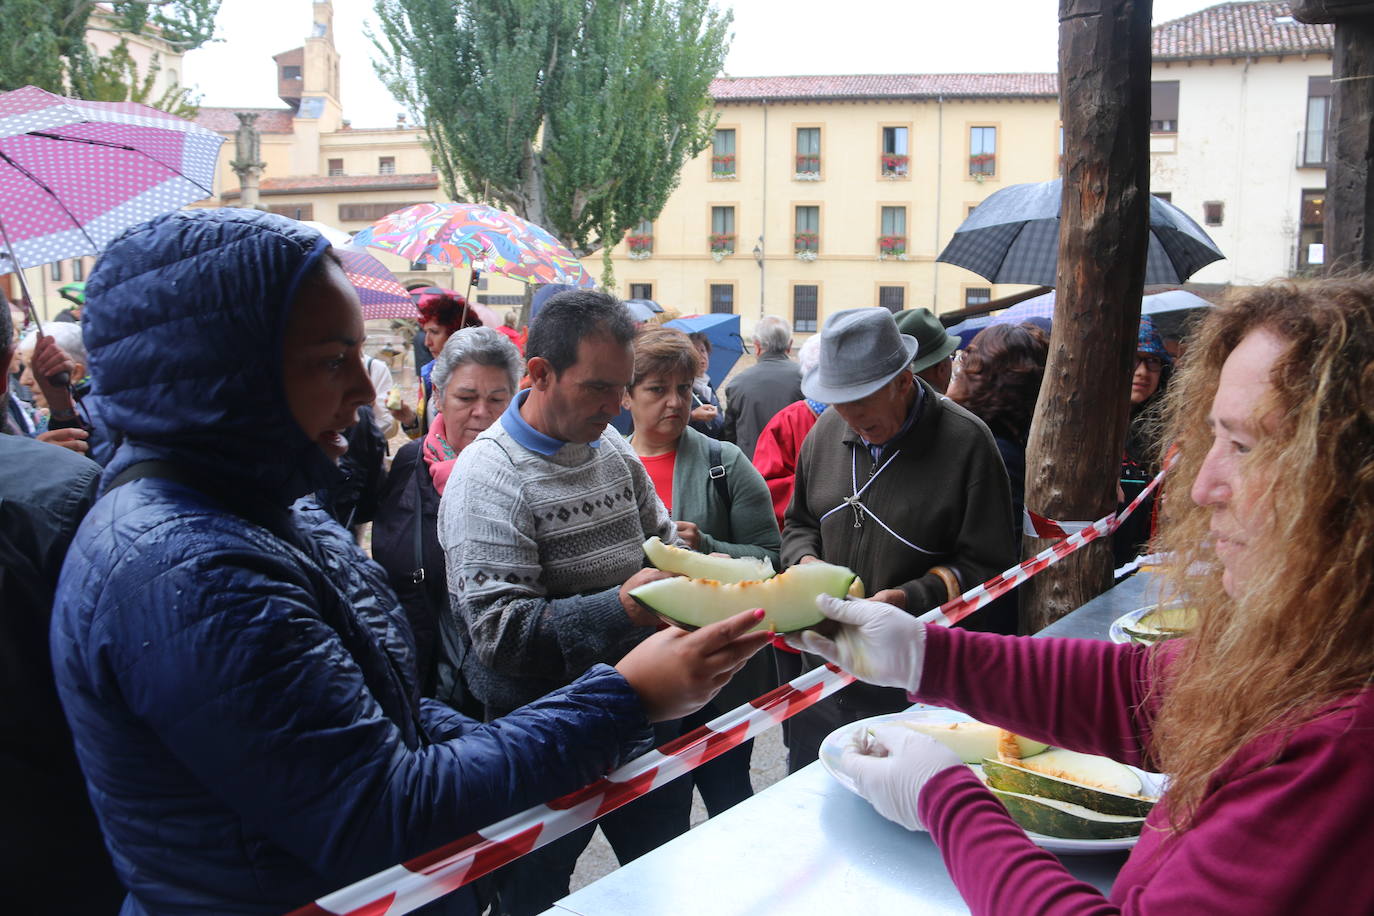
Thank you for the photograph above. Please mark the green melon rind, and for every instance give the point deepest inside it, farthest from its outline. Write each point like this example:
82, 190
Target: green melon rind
1150, 638
1021, 781
788, 599
703, 566
1065, 820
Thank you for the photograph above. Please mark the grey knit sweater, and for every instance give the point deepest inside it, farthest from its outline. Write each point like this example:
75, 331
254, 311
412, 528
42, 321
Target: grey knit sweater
537, 548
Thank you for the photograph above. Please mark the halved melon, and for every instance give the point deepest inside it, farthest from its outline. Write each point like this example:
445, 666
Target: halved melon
789, 599
1022, 781
1050, 817
1163, 623
972, 741
704, 566
1084, 769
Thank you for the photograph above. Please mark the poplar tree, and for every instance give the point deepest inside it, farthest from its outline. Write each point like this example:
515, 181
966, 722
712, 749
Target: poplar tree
43, 44
574, 114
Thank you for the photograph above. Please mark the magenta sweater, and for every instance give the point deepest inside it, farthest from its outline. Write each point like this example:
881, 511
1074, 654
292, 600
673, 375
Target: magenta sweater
1294, 836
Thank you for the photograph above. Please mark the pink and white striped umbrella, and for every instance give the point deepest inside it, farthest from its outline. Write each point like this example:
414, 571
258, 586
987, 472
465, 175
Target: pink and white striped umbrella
74, 174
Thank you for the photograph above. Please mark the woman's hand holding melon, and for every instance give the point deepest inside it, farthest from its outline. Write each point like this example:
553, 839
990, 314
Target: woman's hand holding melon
875, 642
676, 672
891, 767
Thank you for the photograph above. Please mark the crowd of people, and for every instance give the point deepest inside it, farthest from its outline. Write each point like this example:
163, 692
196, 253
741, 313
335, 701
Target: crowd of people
244, 711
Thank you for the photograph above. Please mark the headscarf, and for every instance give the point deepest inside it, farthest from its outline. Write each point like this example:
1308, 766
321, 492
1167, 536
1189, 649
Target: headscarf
439, 455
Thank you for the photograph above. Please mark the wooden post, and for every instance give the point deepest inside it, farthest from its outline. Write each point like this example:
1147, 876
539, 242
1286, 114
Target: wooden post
1349, 196
1076, 441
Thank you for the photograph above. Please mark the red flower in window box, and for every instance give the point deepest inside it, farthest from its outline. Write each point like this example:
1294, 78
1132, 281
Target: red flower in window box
892, 244
722, 242
638, 243
982, 163
894, 163
805, 241
807, 164
723, 165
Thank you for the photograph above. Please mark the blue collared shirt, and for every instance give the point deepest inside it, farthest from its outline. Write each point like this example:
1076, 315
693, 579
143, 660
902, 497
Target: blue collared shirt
531, 438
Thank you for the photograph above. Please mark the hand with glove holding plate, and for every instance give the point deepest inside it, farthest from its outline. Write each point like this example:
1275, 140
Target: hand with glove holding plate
882, 645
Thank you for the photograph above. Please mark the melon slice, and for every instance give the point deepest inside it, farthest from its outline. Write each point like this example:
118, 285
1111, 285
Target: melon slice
972, 741
788, 599
1022, 781
1163, 623
1084, 769
1050, 817
703, 566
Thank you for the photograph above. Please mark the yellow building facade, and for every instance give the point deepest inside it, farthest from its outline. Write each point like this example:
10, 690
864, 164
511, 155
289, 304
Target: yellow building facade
839, 192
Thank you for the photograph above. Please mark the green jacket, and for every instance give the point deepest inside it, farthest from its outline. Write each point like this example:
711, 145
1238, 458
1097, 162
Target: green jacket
744, 528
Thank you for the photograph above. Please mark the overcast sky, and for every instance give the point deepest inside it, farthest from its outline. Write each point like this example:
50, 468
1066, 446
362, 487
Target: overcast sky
771, 38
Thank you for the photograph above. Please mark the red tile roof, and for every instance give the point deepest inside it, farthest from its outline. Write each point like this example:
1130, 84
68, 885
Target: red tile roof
1239, 30
310, 184
270, 120
894, 86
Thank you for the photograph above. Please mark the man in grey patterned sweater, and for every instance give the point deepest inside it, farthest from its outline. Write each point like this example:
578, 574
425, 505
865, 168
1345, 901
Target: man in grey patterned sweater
542, 524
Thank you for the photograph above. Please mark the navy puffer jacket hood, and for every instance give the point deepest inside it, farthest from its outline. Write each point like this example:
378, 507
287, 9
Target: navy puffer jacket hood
184, 324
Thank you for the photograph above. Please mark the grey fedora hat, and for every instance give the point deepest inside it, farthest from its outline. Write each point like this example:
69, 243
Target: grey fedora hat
861, 351
934, 343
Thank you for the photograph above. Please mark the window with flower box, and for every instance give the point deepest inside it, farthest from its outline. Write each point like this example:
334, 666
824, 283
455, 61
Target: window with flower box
892, 232
895, 160
723, 153
982, 151
805, 307
808, 162
722, 238
807, 238
640, 242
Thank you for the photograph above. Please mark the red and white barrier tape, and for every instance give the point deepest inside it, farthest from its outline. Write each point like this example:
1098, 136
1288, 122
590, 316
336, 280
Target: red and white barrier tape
956, 609
403, 888
1035, 525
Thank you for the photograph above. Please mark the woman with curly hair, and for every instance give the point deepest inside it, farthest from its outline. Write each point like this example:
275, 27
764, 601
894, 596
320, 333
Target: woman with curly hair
1263, 719
997, 380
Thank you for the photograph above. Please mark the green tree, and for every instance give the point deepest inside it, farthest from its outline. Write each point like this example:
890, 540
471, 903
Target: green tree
575, 114
44, 44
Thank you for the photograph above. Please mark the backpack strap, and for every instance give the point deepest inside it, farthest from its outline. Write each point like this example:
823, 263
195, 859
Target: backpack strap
717, 473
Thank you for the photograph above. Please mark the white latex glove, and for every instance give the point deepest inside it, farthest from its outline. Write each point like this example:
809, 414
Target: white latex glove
892, 765
876, 642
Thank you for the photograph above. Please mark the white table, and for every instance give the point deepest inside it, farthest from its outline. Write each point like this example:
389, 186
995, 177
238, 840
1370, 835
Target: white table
806, 845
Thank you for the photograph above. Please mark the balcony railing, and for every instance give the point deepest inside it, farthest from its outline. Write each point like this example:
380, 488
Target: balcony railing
895, 165
722, 243
891, 246
723, 166
808, 165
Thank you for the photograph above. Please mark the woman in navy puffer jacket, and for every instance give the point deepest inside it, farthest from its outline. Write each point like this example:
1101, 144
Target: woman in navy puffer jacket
239, 678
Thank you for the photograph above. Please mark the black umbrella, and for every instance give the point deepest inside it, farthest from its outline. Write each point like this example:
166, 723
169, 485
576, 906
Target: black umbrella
1013, 237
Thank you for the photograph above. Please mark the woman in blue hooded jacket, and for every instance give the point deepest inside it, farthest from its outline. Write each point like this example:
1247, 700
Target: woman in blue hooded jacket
239, 678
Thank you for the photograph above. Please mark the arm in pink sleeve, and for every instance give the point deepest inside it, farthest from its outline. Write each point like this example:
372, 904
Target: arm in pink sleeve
1081, 694
996, 868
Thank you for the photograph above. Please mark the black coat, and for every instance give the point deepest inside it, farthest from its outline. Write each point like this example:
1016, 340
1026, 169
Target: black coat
409, 491
50, 846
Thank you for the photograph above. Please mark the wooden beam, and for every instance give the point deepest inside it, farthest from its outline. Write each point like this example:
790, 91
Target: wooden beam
1073, 459
1314, 11
1347, 233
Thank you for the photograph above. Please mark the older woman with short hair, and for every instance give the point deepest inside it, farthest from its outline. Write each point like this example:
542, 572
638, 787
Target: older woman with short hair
475, 376
719, 502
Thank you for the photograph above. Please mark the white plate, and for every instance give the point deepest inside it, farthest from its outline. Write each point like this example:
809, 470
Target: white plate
1117, 632
835, 743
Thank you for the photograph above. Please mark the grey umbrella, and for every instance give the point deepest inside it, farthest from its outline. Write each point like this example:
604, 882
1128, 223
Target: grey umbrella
1013, 237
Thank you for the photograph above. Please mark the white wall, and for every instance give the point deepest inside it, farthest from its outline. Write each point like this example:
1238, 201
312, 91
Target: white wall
1239, 124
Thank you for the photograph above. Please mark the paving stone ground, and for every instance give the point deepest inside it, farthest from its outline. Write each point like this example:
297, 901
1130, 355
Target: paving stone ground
767, 766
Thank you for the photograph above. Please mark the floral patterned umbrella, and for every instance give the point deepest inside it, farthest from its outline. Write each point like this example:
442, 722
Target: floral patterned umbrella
479, 236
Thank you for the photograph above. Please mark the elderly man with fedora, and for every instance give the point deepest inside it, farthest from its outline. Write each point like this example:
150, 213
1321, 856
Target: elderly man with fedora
901, 485
934, 347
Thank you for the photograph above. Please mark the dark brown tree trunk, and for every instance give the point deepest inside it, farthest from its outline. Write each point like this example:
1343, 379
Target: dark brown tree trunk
1349, 245
1074, 456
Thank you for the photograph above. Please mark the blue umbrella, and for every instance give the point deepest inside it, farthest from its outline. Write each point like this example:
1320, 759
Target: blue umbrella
727, 346
1174, 300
